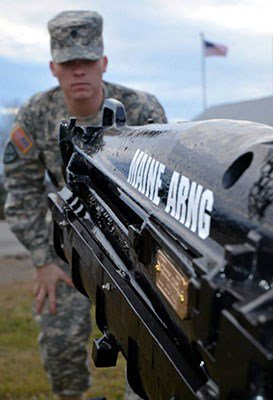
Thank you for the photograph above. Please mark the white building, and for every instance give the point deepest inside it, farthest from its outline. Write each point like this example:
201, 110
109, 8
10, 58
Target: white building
258, 110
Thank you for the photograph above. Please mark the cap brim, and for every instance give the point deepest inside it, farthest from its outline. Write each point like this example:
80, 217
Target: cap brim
76, 53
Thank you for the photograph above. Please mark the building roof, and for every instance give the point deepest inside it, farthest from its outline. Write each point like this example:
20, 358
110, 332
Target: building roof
257, 110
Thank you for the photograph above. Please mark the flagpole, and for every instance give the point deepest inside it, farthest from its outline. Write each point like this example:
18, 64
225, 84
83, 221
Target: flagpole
203, 72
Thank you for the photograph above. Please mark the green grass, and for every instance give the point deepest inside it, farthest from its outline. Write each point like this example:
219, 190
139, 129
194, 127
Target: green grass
21, 373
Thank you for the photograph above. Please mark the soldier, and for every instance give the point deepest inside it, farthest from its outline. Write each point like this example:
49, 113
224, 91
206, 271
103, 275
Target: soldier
32, 152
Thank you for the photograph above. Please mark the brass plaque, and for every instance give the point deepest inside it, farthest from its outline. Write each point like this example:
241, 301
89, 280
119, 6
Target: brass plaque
172, 284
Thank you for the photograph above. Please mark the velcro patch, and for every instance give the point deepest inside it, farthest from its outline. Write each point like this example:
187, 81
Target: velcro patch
10, 154
21, 139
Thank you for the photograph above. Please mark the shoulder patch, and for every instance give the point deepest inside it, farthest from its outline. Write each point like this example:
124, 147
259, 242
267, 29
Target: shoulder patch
10, 154
20, 139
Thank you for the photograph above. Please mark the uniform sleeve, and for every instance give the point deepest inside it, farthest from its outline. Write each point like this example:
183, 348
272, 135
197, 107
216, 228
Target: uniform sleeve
26, 206
149, 109
156, 111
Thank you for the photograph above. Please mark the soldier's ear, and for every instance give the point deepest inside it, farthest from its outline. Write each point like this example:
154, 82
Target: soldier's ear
104, 63
52, 68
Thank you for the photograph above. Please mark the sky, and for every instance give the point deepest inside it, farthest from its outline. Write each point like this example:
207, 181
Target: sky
152, 45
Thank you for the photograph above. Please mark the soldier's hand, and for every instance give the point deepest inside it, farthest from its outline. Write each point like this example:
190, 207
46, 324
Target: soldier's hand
46, 281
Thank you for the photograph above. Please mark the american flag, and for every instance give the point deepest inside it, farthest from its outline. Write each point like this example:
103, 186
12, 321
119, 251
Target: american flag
214, 49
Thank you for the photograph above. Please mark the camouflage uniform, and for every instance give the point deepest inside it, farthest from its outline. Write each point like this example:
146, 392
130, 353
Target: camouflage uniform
32, 152
37, 125
71, 34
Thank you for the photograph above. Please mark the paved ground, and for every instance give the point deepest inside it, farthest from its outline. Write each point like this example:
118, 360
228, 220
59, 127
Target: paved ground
15, 265
9, 245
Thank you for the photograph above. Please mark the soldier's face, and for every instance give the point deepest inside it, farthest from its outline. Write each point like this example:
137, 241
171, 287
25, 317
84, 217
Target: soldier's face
80, 79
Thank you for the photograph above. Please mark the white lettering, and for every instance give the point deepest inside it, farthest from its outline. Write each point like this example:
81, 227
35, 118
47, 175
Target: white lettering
139, 179
138, 160
158, 184
206, 204
145, 175
151, 179
183, 192
193, 204
187, 201
171, 200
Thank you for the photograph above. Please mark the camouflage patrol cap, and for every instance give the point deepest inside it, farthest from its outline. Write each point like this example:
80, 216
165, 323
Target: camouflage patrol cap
76, 35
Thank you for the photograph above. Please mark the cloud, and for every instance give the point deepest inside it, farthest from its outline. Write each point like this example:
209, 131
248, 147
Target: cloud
8, 110
19, 40
23, 26
250, 16
24, 34
153, 45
